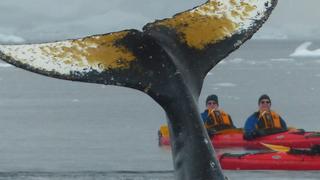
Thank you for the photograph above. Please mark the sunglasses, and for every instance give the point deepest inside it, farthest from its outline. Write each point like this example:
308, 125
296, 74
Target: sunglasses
265, 102
211, 103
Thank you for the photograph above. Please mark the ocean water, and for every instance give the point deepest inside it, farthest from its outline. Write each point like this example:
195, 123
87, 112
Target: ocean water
54, 129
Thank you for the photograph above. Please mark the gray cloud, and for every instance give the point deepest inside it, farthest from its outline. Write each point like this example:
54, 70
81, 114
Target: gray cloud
295, 19
46, 20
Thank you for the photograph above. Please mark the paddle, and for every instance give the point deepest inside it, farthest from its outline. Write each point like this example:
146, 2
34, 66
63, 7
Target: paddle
314, 150
293, 130
277, 148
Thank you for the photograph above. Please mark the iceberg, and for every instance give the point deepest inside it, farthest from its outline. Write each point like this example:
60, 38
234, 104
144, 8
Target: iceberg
303, 51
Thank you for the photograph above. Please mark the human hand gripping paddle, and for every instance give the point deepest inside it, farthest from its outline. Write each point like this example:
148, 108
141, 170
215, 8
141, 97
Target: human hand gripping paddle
224, 131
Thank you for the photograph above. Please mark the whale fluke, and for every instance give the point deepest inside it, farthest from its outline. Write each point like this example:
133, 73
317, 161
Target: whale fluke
168, 60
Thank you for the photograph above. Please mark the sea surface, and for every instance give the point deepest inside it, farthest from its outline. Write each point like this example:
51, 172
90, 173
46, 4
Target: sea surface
52, 129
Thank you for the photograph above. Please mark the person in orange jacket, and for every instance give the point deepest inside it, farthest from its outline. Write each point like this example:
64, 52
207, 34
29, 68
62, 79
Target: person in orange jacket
214, 118
263, 122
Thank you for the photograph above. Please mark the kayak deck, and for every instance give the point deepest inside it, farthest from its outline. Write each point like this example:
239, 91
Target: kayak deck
228, 139
270, 161
295, 140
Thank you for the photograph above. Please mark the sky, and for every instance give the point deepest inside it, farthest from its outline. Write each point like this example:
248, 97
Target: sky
50, 20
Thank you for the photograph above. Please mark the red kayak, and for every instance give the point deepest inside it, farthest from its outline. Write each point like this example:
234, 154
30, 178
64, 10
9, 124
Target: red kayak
270, 161
234, 138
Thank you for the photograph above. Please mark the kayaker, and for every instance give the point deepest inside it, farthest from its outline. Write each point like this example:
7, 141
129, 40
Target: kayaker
214, 118
263, 122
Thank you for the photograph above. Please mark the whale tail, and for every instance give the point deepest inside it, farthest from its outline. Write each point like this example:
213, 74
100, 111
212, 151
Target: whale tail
190, 43
168, 60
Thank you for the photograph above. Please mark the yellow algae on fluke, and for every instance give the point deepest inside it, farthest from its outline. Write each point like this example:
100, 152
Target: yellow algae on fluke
209, 23
95, 50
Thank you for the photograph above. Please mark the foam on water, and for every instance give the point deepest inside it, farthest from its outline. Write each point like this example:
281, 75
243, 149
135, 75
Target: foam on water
236, 60
252, 62
282, 59
75, 100
225, 84
273, 34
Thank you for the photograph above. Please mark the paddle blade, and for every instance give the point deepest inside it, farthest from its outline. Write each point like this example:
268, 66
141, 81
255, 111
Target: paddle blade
277, 148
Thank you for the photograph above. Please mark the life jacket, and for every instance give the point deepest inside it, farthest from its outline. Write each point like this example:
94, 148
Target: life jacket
268, 120
218, 119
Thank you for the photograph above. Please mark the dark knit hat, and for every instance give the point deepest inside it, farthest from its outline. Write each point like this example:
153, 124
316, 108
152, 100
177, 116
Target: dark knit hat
264, 96
212, 97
